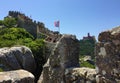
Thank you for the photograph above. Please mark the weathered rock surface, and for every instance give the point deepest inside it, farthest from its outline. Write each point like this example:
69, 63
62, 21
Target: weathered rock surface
18, 76
80, 75
50, 46
108, 57
65, 55
17, 58
61, 66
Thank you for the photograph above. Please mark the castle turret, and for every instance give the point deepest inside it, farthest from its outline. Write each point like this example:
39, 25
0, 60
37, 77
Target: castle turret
88, 37
88, 34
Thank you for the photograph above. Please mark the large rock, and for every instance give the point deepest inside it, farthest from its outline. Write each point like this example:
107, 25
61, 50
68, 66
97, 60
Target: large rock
17, 58
80, 75
64, 55
108, 57
18, 76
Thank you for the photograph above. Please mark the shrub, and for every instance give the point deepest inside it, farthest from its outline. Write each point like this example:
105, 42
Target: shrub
87, 47
19, 36
86, 64
14, 34
1, 22
1, 70
9, 22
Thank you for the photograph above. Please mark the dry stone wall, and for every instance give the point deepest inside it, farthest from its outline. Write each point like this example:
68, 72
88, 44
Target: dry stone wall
108, 57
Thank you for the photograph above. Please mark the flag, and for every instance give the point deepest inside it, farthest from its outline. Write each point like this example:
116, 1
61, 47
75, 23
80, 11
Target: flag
57, 23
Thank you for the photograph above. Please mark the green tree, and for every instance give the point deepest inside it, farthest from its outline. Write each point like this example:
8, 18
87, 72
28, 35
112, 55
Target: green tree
87, 47
1, 22
9, 22
14, 34
19, 36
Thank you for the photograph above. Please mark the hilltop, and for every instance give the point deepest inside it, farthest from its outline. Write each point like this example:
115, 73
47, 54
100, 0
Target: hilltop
17, 29
37, 29
29, 52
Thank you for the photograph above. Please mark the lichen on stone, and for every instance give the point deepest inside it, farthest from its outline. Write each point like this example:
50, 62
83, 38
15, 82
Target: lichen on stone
102, 52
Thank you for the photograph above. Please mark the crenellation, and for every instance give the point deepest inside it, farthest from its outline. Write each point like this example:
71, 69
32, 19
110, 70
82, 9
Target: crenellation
33, 27
62, 55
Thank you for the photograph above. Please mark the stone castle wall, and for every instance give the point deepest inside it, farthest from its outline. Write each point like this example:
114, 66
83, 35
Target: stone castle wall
33, 27
63, 61
108, 56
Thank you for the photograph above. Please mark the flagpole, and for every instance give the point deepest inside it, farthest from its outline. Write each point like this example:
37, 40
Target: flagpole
59, 25
59, 29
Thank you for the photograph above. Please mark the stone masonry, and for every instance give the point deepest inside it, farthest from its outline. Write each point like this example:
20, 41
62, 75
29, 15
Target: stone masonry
108, 56
64, 55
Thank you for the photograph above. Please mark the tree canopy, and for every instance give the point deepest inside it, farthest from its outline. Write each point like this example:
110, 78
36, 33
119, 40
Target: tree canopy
87, 47
8, 22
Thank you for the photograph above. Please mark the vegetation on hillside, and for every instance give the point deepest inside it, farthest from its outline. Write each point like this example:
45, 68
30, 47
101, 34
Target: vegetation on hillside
8, 22
86, 63
87, 49
19, 36
11, 35
15, 36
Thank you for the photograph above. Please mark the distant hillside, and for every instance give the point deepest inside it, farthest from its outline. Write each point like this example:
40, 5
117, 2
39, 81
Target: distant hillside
87, 45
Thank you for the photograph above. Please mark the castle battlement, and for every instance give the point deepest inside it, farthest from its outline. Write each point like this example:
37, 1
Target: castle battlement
17, 14
33, 27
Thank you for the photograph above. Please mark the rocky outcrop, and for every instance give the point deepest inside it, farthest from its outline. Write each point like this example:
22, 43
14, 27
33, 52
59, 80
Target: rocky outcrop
64, 55
62, 64
17, 58
18, 76
80, 75
73, 75
108, 57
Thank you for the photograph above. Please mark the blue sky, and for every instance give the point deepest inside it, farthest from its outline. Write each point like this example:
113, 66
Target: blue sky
77, 17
